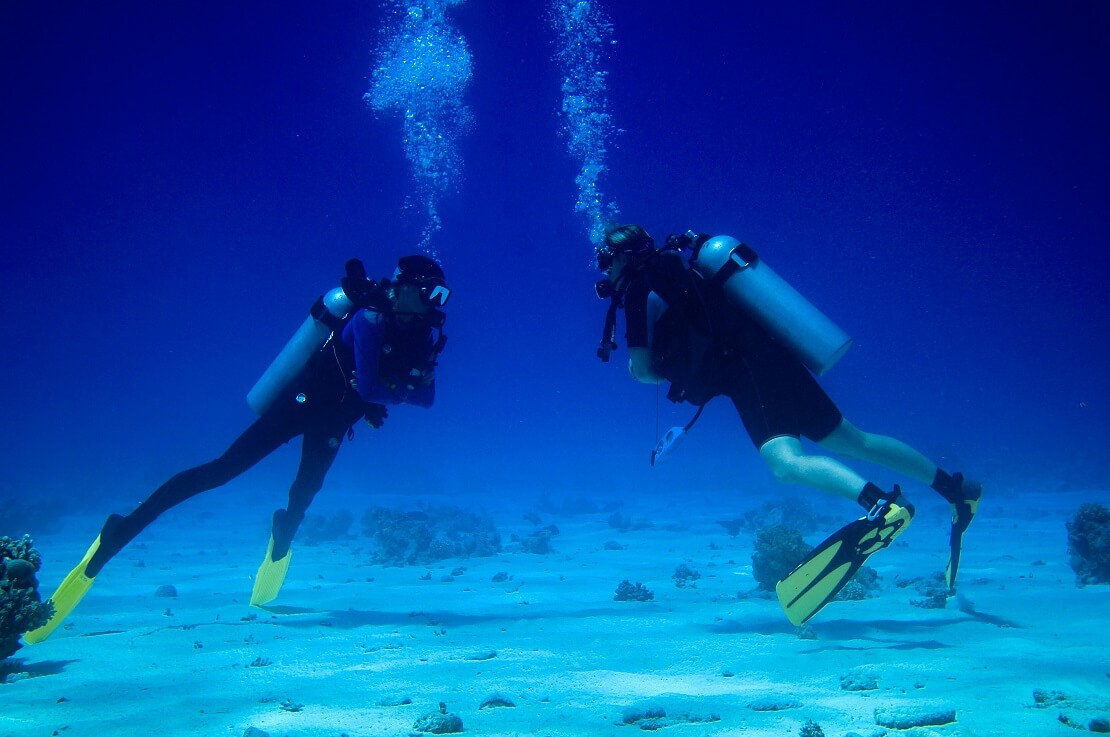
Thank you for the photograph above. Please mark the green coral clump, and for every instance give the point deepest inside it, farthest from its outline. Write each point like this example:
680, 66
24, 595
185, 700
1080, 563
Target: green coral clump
627, 591
864, 585
685, 576
778, 549
537, 541
428, 535
21, 549
934, 590
21, 608
1089, 544
791, 512
811, 729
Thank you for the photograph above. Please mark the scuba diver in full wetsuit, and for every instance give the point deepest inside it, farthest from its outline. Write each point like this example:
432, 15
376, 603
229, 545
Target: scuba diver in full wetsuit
701, 329
365, 346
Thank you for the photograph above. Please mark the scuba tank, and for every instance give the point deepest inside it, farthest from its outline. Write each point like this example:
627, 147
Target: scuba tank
751, 285
326, 317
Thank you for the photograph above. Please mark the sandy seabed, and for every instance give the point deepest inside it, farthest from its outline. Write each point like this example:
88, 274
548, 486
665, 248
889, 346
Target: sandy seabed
352, 648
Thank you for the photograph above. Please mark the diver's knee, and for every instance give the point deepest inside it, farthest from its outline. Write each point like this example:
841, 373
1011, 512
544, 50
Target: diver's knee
220, 471
303, 491
782, 458
784, 473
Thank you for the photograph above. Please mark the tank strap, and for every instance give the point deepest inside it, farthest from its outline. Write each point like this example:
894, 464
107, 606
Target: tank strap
747, 257
323, 315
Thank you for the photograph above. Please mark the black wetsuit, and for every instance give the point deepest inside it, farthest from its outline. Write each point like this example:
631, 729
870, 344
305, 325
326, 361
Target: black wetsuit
335, 389
707, 347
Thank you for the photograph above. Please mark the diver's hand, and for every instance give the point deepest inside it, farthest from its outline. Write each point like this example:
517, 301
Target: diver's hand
375, 415
640, 366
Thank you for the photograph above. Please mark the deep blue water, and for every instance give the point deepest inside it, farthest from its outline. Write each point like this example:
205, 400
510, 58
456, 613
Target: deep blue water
180, 182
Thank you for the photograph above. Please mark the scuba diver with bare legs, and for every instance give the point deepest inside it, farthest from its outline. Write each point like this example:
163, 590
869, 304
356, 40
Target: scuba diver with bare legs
722, 323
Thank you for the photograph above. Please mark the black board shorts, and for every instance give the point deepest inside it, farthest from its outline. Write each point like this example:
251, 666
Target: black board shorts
776, 396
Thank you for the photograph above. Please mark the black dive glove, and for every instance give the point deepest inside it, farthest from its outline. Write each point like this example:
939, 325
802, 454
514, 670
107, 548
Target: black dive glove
361, 291
375, 415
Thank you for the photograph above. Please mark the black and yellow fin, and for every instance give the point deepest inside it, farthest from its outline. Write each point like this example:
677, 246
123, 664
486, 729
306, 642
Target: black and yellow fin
830, 566
270, 576
962, 514
69, 593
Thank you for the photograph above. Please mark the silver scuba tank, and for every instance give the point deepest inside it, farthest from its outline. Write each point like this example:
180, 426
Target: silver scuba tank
749, 283
309, 338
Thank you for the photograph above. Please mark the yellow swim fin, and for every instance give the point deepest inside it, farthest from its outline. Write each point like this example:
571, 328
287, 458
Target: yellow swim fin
270, 576
830, 566
72, 589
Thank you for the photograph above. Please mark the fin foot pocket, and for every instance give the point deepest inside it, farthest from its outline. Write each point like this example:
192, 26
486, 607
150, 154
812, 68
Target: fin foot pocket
963, 512
270, 576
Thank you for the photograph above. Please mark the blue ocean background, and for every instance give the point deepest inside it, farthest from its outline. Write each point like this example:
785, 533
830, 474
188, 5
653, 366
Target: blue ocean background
180, 181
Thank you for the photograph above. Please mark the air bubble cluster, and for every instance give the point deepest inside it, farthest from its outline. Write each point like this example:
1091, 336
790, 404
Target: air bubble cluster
421, 72
583, 36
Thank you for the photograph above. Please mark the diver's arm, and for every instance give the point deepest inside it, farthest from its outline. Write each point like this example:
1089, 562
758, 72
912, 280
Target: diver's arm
639, 307
637, 332
639, 365
363, 334
423, 392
